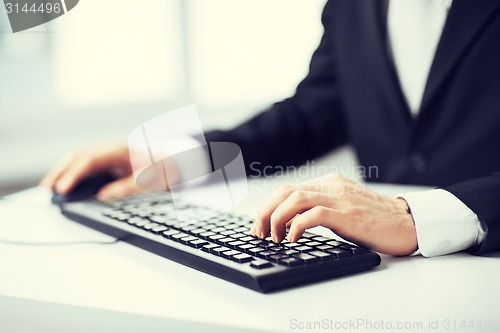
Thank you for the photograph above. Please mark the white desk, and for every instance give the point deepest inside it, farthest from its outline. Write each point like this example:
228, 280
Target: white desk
119, 277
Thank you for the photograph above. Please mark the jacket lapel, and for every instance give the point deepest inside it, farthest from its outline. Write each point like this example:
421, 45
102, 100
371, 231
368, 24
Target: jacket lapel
465, 21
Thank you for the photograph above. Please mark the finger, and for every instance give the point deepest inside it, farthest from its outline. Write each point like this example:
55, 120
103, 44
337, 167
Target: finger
262, 227
313, 217
50, 179
296, 203
79, 169
261, 224
119, 188
289, 223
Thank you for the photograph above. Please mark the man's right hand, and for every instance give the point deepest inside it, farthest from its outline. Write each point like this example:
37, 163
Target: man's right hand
102, 157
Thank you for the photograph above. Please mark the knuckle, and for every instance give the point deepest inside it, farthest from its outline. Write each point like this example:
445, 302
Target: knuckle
318, 212
286, 189
299, 196
299, 224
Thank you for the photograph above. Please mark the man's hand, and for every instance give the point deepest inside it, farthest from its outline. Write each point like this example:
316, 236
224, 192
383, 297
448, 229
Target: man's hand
102, 157
347, 208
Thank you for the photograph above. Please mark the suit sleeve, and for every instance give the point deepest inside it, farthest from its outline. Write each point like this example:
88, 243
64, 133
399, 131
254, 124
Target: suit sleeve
482, 196
299, 128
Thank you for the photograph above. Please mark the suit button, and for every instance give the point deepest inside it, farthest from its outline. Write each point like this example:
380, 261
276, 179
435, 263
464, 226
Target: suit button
418, 161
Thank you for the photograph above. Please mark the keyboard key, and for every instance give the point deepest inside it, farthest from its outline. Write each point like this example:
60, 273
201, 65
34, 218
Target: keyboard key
325, 247
209, 247
123, 217
260, 264
322, 255
169, 233
255, 250
198, 231
303, 248
276, 248
138, 221
303, 240
242, 258
267, 245
291, 261
235, 244
216, 237
292, 245
248, 238
321, 239
289, 252
188, 227
186, 240
245, 247
159, 229
266, 254
307, 258
230, 253
340, 253
312, 244
276, 257
171, 222
200, 224
238, 235
219, 250
335, 243
228, 232
225, 241
223, 223
158, 218
209, 226
354, 249
206, 234
150, 226
197, 243
178, 236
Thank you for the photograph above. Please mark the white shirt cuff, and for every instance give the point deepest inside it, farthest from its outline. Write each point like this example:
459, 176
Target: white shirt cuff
444, 223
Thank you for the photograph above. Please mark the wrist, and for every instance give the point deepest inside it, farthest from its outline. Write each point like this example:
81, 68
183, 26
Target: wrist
408, 231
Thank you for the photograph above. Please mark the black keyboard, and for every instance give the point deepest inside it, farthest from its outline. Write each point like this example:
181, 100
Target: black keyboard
220, 245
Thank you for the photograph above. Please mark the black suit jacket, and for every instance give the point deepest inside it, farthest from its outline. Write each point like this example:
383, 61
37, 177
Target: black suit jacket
352, 95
